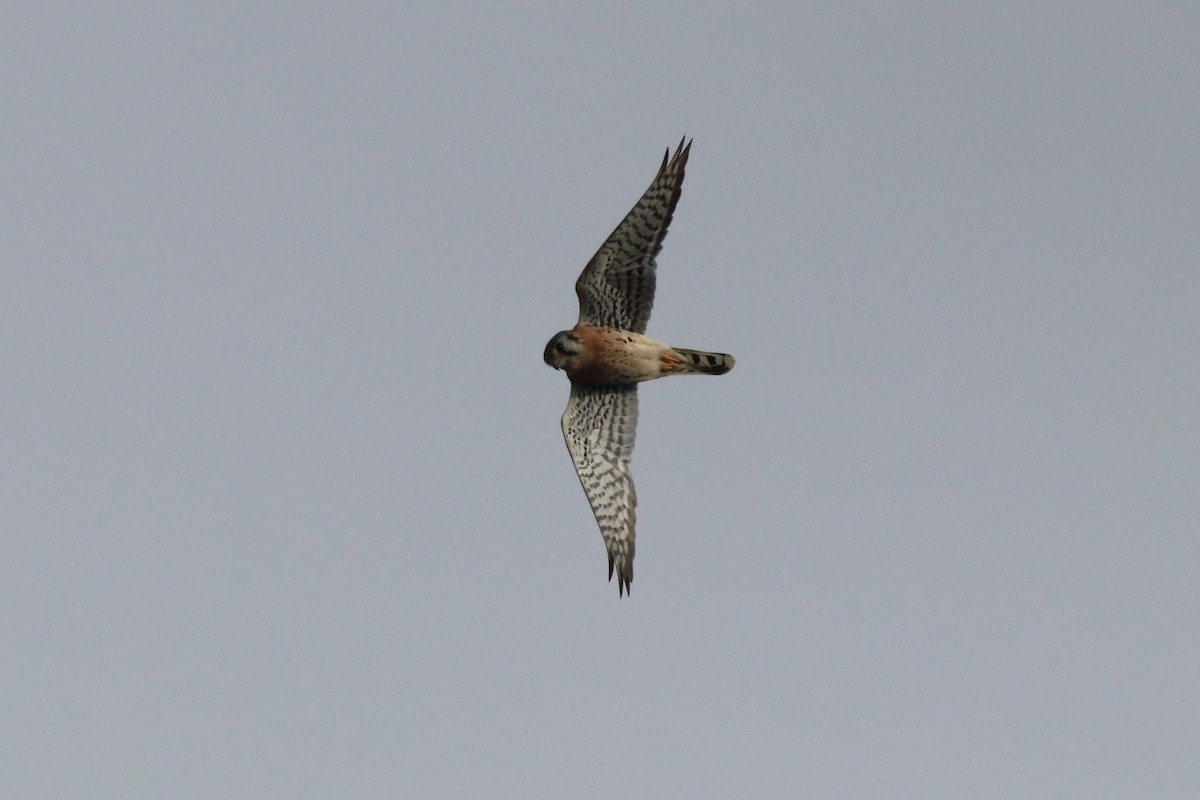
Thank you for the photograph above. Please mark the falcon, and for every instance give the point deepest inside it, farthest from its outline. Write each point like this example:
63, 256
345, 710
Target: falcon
607, 354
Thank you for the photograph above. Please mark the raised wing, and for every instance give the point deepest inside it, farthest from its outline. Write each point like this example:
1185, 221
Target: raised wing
616, 288
599, 426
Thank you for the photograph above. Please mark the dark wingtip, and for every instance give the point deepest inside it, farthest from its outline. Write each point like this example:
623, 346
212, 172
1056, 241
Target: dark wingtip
624, 581
681, 151
624, 577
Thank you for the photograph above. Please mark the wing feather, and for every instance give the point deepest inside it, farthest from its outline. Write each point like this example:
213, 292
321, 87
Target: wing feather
599, 426
616, 288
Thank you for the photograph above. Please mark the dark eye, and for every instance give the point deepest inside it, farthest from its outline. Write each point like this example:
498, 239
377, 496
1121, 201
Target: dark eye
558, 347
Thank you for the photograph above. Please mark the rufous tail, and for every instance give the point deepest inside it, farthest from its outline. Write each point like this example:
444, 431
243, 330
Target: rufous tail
698, 361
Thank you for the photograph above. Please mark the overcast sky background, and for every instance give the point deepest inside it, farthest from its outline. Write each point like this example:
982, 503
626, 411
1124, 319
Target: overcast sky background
286, 511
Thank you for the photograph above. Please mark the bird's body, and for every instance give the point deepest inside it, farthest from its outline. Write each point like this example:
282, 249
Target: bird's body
613, 357
607, 354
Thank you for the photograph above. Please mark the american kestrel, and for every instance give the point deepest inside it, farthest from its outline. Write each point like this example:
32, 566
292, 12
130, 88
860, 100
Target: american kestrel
607, 354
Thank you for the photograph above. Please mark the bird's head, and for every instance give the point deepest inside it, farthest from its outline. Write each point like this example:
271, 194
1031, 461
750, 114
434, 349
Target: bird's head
562, 350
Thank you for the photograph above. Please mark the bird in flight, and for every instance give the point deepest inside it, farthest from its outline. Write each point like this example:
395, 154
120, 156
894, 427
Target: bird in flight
607, 354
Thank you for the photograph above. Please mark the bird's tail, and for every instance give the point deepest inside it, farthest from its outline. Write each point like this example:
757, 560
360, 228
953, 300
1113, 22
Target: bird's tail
699, 362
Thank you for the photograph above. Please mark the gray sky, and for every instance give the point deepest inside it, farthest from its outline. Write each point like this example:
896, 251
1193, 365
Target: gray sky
285, 508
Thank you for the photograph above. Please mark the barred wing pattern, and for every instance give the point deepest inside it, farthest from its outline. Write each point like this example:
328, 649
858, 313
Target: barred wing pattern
599, 425
616, 288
